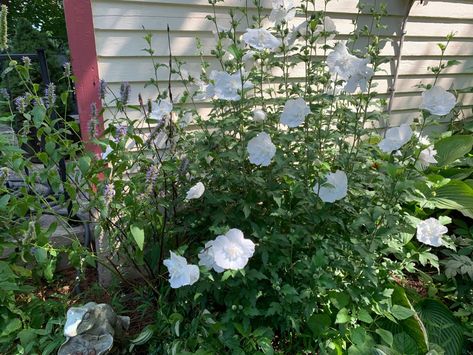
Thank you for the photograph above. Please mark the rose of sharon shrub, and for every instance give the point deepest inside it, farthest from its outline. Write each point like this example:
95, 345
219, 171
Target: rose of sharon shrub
327, 233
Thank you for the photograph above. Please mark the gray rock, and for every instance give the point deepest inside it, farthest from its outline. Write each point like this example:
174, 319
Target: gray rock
90, 329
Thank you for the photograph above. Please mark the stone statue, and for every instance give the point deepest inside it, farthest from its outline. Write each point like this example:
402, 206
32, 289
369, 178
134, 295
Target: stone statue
90, 329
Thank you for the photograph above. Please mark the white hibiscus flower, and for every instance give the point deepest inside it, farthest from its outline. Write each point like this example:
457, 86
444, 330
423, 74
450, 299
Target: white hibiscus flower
395, 138
353, 70
232, 251
438, 101
426, 157
227, 86
261, 39
161, 109
294, 112
283, 10
180, 272
334, 188
259, 115
207, 257
261, 150
430, 232
195, 191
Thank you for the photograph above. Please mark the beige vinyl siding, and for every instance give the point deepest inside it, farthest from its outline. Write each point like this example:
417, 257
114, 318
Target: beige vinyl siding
119, 39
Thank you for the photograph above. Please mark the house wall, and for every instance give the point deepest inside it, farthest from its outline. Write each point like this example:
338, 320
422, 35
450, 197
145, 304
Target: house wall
119, 39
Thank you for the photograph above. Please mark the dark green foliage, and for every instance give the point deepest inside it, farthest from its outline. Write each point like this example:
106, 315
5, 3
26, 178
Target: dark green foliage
45, 15
442, 327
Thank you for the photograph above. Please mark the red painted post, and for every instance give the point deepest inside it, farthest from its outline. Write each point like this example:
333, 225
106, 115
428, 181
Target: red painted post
81, 38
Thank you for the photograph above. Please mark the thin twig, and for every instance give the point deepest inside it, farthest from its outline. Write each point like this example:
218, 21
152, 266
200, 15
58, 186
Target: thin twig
392, 89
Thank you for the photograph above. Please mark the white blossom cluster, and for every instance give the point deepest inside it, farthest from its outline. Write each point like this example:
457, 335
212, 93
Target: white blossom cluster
230, 251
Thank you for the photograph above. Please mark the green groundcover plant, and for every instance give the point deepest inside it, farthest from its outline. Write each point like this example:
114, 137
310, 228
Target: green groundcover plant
292, 218
32, 190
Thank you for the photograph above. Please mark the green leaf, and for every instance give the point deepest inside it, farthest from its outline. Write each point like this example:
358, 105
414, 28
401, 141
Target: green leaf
452, 148
441, 325
339, 299
363, 343
384, 350
12, 326
4, 201
27, 336
386, 335
412, 325
453, 62
39, 113
405, 344
236, 51
401, 312
6, 118
145, 335
227, 274
50, 148
343, 316
456, 195
41, 255
138, 235
64, 97
84, 164
364, 316
319, 324
358, 336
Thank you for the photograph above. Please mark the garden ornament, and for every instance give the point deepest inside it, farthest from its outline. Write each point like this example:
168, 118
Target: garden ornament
90, 329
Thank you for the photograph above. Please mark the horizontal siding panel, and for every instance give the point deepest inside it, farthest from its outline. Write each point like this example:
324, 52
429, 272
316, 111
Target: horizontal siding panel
402, 102
115, 69
395, 119
157, 16
119, 38
112, 7
439, 27
381, 85
437, 9
192, 21
126, 43
458, 9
